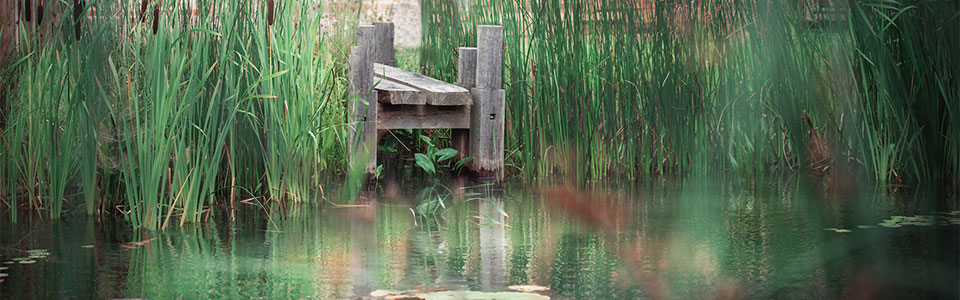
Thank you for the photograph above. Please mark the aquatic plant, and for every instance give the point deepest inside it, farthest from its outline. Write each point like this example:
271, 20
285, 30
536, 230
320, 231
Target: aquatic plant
433, 158
179, 99
634, 88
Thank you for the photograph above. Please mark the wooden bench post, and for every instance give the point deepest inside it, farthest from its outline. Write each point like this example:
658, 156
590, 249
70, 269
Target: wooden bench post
466, 78
363, 116
385, 53
487, 113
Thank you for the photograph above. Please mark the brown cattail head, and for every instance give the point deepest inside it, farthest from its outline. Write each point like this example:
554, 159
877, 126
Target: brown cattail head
39, 14
77, 12
156, 18
143, 10
270, 12
28, 10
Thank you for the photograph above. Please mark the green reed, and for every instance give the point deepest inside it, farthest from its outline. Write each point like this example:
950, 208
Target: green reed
631, 89
186, 104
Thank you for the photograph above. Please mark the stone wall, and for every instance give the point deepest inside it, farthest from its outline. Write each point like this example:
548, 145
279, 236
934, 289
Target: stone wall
405, 14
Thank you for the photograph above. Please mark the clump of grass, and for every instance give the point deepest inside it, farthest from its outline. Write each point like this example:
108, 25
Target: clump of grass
632, 88
179, 100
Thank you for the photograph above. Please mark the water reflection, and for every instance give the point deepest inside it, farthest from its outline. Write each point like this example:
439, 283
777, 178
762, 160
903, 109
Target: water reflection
656, 243
492, 241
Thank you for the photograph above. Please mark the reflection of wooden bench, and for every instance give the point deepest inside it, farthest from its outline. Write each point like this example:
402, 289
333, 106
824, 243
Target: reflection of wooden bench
384, 97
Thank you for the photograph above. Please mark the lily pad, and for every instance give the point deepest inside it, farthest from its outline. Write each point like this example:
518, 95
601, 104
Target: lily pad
8, 262
2, 275
838, 230
865, 227
87, 246
27, 262
3, 268
390, 294
528, 288
472, 295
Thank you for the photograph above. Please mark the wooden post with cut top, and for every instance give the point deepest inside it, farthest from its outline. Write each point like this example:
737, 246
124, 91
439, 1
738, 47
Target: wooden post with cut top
487, 120
397, 99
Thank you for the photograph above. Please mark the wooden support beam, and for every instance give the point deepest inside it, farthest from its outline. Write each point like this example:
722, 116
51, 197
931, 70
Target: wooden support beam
363, 116
487, 112
385, 49
466, 78
486, 132
424, 117
489, 57
467, 67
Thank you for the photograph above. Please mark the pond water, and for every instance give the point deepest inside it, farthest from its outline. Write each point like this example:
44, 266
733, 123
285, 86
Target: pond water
680, 241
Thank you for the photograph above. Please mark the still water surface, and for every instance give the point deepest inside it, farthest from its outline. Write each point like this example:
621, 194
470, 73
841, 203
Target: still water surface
679, 242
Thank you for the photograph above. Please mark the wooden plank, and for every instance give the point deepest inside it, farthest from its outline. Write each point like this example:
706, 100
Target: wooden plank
424, 117
435, 91
391, 92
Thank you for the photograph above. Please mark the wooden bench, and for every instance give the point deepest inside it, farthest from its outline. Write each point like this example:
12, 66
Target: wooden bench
384, 97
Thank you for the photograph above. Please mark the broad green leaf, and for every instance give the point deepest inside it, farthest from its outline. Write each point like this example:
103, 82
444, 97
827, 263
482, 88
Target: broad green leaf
425, 163
445, 154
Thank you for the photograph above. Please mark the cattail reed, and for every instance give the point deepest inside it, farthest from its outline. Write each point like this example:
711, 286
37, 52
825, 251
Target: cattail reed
28, 10
143, 10
270, 12
156, 18
40, 14
77, 18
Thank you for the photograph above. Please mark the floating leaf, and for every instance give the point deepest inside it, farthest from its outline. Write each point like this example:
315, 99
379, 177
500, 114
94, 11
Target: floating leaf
2, 275
865, 227
3, 268
27, 262
87, 246
384, 293
392, 295
451, 295
528, 288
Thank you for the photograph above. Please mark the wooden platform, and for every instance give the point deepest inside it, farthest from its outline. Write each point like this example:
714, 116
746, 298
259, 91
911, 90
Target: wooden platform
397, 86
394, 98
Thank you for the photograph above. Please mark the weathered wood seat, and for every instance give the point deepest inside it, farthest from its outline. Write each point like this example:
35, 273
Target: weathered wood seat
425, 90
394, 98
